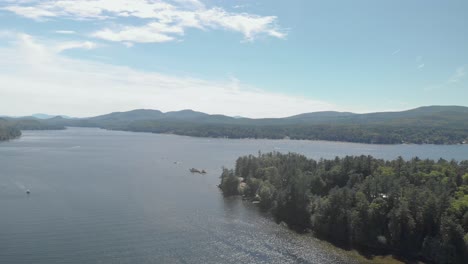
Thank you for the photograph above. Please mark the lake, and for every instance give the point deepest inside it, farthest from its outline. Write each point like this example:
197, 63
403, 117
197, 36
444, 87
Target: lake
102, 196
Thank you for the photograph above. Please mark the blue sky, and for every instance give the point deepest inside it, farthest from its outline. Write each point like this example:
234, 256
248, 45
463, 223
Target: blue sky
253, 58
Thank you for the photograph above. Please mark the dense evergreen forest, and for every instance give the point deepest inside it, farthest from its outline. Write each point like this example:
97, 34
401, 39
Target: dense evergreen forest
372, 134
417, 209
8, 131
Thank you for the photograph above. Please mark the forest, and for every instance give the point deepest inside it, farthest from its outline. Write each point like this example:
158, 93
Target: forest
416, 209
424, 125
10, 128
359, 133
34, 124
8, 131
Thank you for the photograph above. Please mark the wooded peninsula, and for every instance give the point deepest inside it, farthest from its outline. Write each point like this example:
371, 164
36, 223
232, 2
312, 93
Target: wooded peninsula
416, 209
8, 131
10, 128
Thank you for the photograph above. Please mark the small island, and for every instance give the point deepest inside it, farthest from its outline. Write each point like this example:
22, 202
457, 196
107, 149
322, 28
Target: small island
416, 209
193, 170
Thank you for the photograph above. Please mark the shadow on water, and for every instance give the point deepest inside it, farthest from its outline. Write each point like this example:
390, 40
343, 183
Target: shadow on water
236, 208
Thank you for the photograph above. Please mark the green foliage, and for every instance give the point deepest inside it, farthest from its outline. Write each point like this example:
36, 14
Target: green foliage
229, 183
361, 133
416, 208
459, 206
8, 130
35, 124
267, 193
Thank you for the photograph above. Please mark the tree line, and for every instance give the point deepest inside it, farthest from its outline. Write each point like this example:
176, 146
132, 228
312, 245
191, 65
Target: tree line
416, 209
8, 131
11, 128
34, 124
359, 133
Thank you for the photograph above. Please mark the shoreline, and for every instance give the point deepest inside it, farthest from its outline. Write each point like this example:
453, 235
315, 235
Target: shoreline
356, 202
360, 256
276, 139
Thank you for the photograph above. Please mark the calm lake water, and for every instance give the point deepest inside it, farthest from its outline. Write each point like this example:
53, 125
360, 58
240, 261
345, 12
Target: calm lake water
102, 196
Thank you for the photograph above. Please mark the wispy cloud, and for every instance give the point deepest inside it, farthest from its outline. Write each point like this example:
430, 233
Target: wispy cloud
36, 77
396, 52
459, 74
238, 6
75, 45
451, 82
30, 11
168, 19
420, 62
65, 32
152, 32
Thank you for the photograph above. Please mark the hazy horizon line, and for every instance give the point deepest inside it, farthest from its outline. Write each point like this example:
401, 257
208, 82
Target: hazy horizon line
73, 116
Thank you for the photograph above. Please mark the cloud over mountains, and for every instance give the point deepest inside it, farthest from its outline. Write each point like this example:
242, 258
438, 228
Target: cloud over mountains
36, 76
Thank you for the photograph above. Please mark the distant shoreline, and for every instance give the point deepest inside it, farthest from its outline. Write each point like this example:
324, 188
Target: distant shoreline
439, 125
247, 138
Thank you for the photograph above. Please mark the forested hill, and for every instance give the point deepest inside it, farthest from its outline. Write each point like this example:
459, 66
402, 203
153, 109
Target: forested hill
432, 124
424, 125
417, 208
32, 123
10, 128
8, 131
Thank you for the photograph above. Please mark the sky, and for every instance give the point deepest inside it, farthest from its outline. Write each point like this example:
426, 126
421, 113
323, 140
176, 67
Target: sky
265, 58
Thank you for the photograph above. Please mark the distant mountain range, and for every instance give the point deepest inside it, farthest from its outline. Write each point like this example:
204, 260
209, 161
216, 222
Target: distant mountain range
46, 116
37, 116
429, 124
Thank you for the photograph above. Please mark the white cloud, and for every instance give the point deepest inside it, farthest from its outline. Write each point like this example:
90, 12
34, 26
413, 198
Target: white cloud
420, 66
153, 32
26, 43
36, 77
65, 32
249, 25
459, 74
30, 11
168, 18
75, 45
